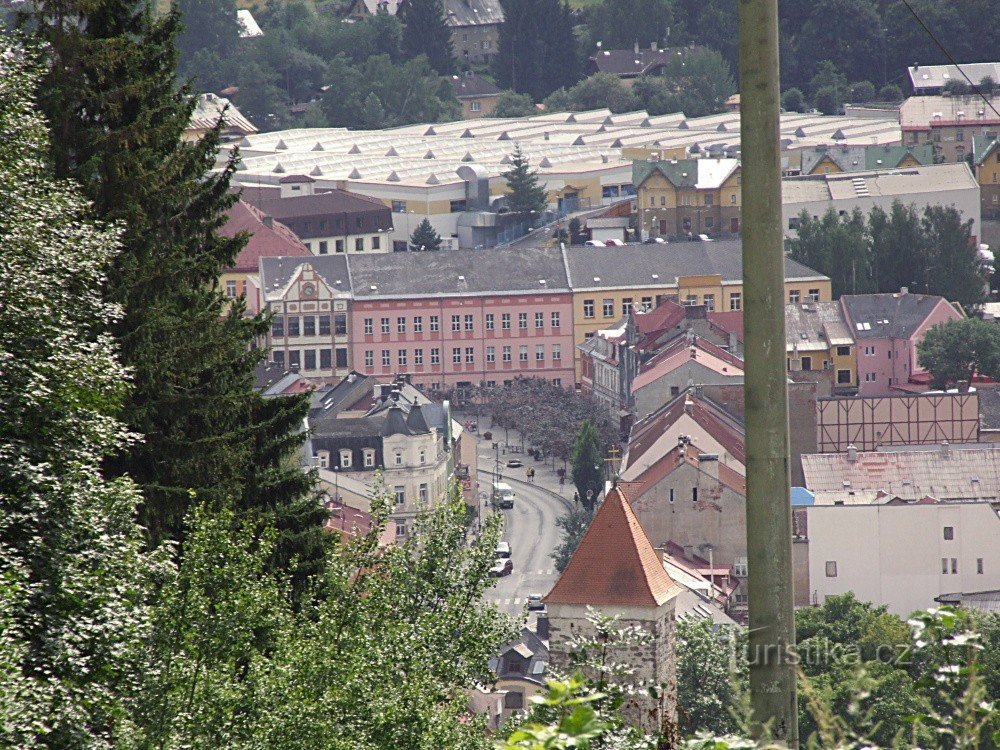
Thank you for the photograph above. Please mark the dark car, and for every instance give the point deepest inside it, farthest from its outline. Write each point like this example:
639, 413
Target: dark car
535, 602
502, 567
514, 463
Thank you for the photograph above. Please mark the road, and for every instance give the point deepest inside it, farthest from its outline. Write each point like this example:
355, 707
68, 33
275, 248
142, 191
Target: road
530, 529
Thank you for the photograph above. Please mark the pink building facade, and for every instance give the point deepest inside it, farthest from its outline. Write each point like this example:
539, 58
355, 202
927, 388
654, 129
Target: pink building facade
888, 328
455, 341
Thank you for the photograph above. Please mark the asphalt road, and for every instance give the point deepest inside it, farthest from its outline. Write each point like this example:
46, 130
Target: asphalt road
530, 529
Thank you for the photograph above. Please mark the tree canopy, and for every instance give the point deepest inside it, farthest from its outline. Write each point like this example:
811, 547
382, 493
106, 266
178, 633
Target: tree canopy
959, 350
525, 195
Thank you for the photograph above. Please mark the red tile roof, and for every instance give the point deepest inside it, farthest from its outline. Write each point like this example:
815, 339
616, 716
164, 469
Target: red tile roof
275, 241
720, 425
665, 316
728, 322
615, 564
665, 465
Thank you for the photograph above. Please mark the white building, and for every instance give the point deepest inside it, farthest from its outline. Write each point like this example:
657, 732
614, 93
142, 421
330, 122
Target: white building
902, 555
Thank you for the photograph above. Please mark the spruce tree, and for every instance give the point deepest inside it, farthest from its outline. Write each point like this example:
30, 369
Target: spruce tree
425, 238
117, 117
426, 33
526, 195
586, 464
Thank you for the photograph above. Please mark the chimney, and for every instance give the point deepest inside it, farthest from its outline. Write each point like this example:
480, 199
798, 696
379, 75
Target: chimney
636, 48
945, 449
652, 46
852, 454
734, 341
904, 290
542, 627
268, 221
688, 405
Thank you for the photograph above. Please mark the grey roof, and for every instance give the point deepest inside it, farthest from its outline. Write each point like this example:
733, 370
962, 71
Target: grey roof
472, 12
275, 273
984, 601
882, 316
469, 85
815, 326
498, 270
989, 408
530, 647
636, 265
936, 76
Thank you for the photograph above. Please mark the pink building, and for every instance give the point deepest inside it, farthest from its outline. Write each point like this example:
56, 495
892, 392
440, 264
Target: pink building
887, 329
463, 318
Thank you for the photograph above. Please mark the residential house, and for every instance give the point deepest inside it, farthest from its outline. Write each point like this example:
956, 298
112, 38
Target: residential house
309, 301
684, 197
949, 122
327, 221
818, 337
209, 109
609, 282
931, 79
361, 9
267, 239
603, 373
475, 29
711, 593
887, 329
845, 158
616, 571
360, 426
477, 95
271, 380
936, 184
986, 158
688, 361
455, 319
902, 556
521, 668
629, 64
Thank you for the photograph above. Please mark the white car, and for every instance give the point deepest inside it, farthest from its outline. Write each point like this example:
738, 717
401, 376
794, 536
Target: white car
594, 243
705, 238
614, 243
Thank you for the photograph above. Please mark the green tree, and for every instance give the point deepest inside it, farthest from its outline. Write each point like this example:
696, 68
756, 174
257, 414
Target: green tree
210, 26
117, 117
837, 247
537, 49
426, 33
827, 100
622, 23
712, 676
828, 75
511, 104
696, 84
890, 93
587, 462
851, 41
862, 91
602, 90
952, 266
424, 238
987, 85
960, 349
793, 100
525, 195
572, 525
72, 573
897, 245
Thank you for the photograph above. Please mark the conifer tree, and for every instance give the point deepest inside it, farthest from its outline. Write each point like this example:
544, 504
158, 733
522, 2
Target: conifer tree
586, 462
425, 238
526, 195
117, 116
426, 33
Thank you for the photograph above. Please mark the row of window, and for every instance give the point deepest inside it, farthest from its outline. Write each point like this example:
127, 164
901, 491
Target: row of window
367, 457
337, 225
460, 323
949, 566
339, 246
311, 325
795, 296
231, 288
686, 199
306, 359
458, 355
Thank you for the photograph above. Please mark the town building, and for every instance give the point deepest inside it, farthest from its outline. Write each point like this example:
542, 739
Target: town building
521, 668
361, 9
938, 184
683, 197
629, 64
616, 571
209, 109
903, 556
603, 374
818, 337
328, 221
360, 426
949, 122
309, 302
609, 282
838, 159
931, 79
267, 238
887, 329
475, 29
477, 95
456, 319
986, 158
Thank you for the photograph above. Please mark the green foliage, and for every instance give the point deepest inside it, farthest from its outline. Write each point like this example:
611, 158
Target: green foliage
890, 93
930, 252
572, 525
696, 84
587, 462
511, 104
424, 238
537, 51
524, 195
960, 349
426, 33
210, 34
712, 675
827, 101
863, 91
575, 724
72, 572
793, 100
619, 24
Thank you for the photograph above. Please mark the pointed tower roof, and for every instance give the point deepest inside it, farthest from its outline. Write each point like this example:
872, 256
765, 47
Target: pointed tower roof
615, 564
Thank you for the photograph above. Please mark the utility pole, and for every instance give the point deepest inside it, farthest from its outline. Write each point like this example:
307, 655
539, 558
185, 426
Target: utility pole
769, 522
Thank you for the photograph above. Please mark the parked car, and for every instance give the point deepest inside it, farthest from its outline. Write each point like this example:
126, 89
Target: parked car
614, 243
655, 241
502, 567
594, 243
514, 463
502, 550
535, 603
705, 238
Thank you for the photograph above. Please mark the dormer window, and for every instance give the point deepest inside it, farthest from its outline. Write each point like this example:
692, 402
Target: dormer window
397, 458
369, 458
345, 459
423, 456
323, 458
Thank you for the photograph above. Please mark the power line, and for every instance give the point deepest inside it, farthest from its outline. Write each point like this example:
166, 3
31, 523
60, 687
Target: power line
951, 59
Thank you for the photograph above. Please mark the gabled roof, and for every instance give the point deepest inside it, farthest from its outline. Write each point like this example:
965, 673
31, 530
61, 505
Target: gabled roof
816, 326
983, 148
266, 241
630, 63
936, 76
210, 108
614, 564
276, 273
471, 86
702, 174
679, 456
473, 12
681, 352
326, 203
884, 316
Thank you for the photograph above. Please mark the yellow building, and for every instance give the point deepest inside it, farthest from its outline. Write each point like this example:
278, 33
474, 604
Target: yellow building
986, 156
607, 282
818, 337
838, 159
684, 197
